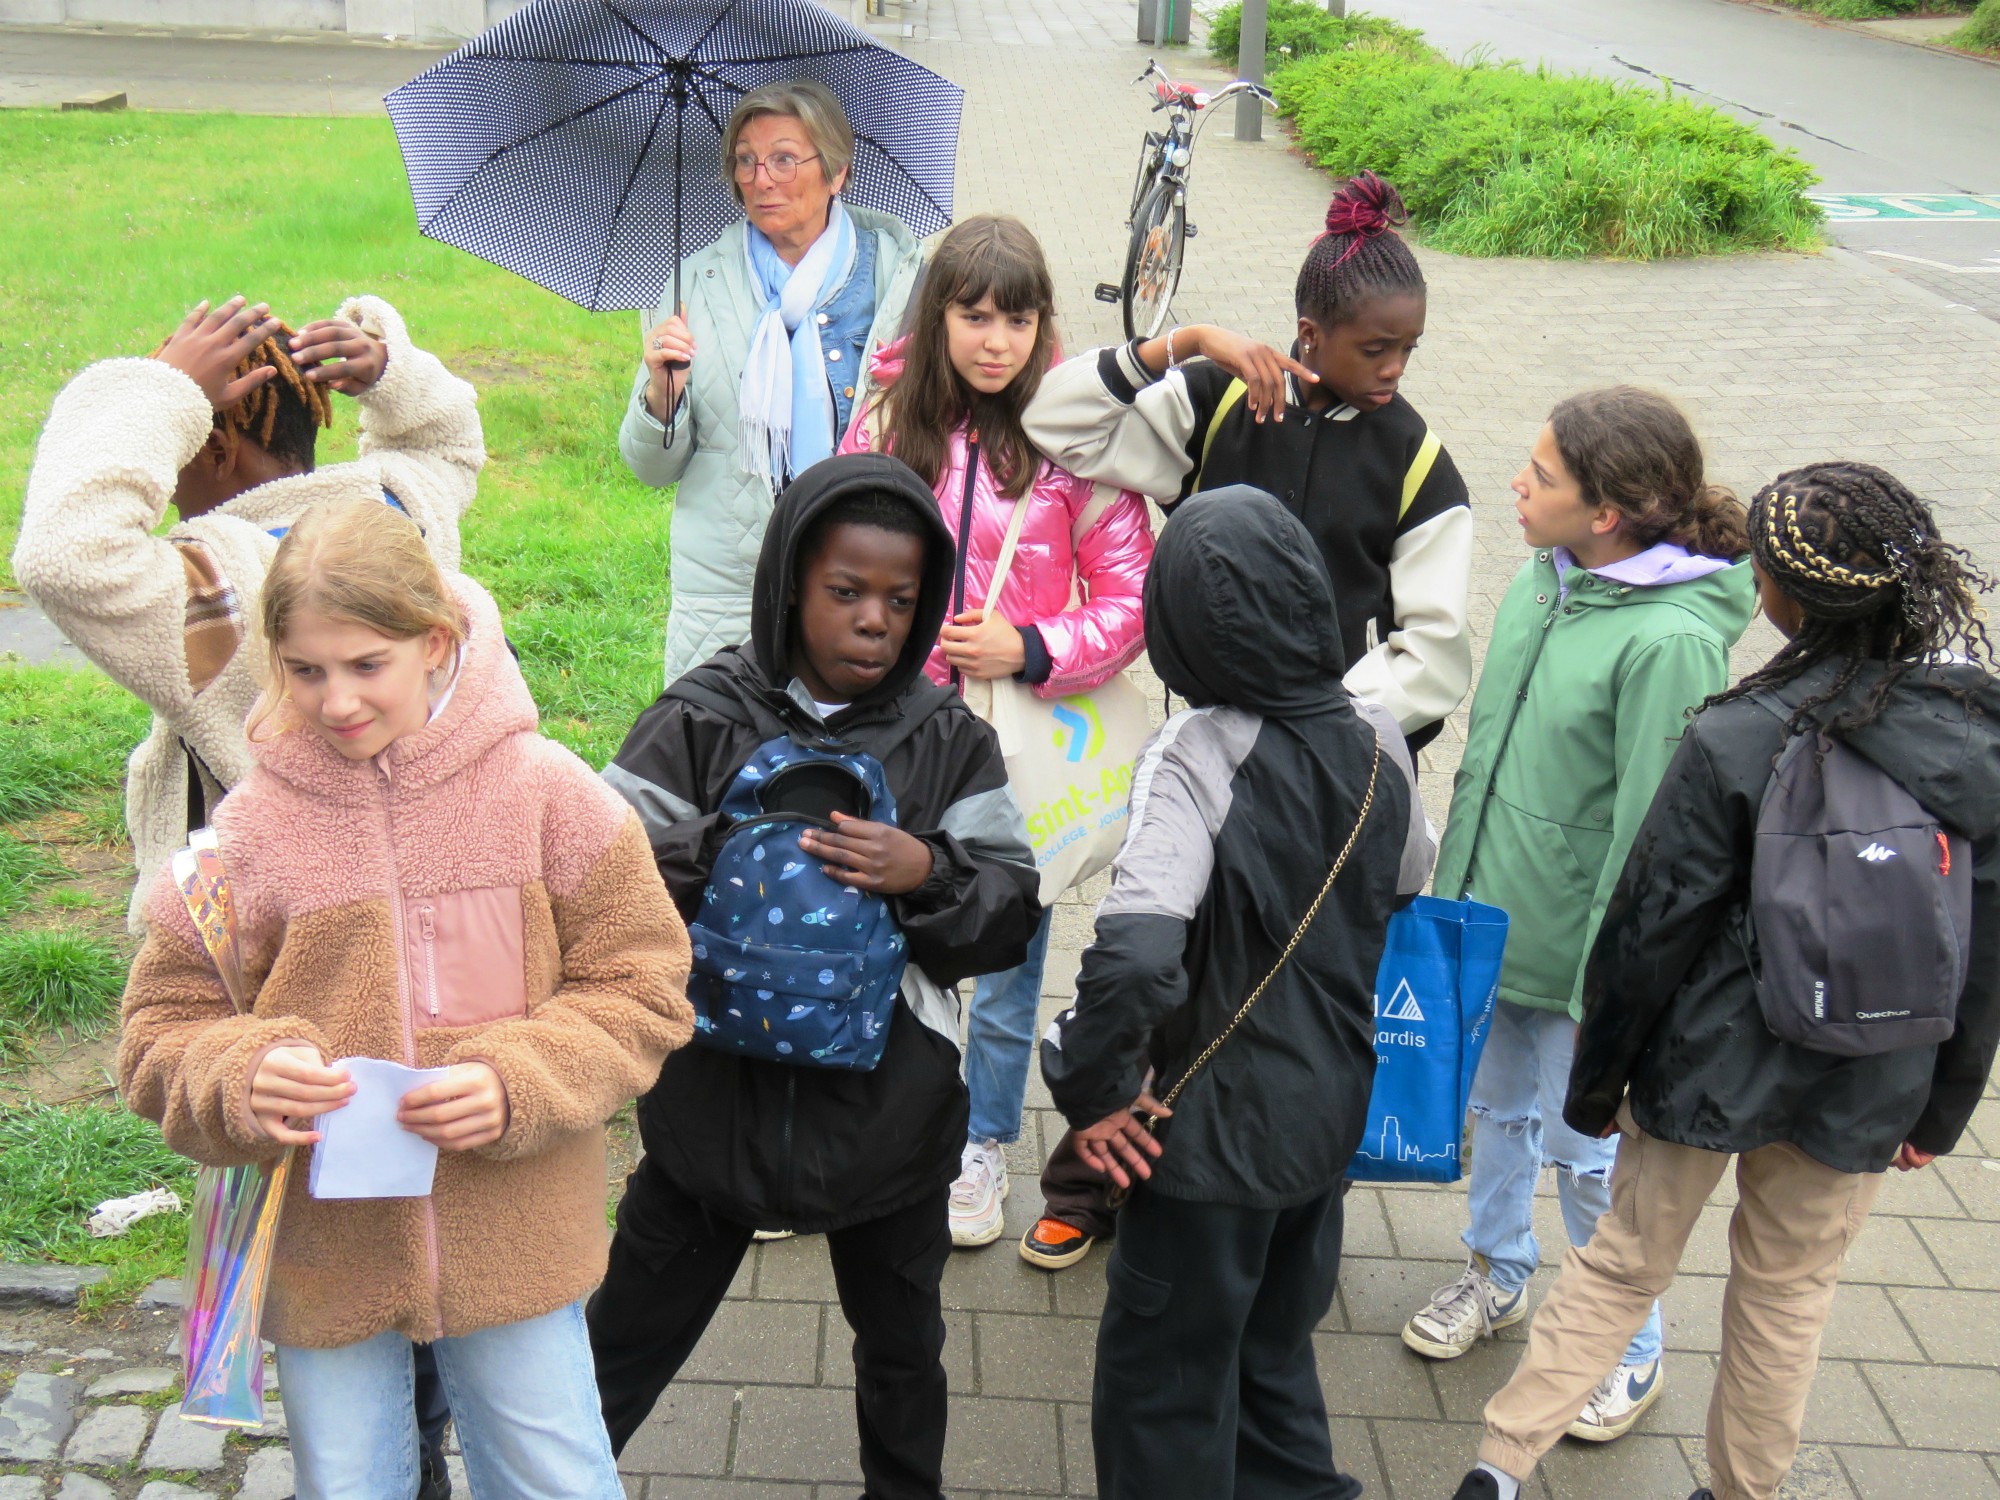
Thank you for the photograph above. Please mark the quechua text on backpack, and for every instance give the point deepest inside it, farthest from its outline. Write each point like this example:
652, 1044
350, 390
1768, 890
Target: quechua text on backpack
791, 965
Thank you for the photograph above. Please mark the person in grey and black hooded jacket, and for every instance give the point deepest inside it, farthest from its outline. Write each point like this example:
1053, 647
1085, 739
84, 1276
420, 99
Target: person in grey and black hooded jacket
852, 585
1241, 805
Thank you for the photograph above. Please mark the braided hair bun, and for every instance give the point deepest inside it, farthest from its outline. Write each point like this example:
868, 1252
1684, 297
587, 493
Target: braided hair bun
1360, 257
1365, 206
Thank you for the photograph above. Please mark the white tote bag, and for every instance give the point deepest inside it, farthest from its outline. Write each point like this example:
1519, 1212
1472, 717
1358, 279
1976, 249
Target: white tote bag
1069, 760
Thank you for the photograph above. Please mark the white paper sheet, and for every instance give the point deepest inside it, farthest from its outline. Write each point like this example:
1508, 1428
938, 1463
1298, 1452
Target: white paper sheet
362, 1151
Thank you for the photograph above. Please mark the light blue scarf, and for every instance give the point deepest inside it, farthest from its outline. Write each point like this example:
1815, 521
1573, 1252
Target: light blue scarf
786, 405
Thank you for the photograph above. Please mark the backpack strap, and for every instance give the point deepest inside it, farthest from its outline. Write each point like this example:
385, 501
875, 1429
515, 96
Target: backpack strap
1233, 394
1102, 498
1419, 471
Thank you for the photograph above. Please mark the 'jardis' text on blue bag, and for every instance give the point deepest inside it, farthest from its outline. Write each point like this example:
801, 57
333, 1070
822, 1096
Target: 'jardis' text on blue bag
1434, 998
790, 965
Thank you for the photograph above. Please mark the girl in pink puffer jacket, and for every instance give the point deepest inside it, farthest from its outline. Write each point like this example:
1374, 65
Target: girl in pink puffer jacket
981, 334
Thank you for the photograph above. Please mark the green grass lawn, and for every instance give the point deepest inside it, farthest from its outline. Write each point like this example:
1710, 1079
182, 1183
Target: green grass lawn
115, 225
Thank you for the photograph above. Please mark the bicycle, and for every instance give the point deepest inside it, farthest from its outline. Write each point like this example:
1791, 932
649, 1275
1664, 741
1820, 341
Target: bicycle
1158, 216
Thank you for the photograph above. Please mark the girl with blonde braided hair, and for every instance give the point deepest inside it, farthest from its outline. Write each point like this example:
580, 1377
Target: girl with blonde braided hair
1886, 651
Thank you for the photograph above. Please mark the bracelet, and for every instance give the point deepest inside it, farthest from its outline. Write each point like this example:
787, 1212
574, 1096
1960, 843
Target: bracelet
1171, 361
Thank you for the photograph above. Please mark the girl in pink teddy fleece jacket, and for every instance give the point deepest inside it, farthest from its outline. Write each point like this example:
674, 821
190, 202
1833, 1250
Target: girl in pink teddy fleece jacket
418, 876
981, 334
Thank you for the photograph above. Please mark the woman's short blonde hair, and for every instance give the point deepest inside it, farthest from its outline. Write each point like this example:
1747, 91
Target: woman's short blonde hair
813, 106
355, 560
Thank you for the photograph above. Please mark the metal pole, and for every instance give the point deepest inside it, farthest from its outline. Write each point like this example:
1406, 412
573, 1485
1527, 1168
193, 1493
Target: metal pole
1337, 8
1250, 65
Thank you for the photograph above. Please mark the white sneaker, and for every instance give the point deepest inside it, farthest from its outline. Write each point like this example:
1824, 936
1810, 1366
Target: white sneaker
977, 1195
1460, 1315
1620, 1399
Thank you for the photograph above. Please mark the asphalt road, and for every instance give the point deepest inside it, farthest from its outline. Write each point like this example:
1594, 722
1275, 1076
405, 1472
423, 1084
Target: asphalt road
1873, 115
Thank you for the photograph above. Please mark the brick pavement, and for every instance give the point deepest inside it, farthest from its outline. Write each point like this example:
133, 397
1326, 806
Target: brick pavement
1780, 359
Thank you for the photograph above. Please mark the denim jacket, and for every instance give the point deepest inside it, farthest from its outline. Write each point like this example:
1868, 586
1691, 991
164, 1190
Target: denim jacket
844, 324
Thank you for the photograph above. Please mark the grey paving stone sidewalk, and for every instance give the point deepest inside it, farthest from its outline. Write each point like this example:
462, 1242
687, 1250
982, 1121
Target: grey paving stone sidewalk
1780, 359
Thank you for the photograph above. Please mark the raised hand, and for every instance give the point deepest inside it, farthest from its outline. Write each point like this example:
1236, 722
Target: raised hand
335, 352
212, 342
1261, 368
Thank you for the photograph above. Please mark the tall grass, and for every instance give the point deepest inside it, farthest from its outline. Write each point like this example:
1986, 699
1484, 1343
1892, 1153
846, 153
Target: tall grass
64, 732
119, 223
23, 867
1295, 29
59, 980
1981, 33
57, 1164
1497, 159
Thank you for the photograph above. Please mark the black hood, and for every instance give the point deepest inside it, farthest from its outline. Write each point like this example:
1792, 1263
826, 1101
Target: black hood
1239, 608
805, 498
758, 675
1937, 737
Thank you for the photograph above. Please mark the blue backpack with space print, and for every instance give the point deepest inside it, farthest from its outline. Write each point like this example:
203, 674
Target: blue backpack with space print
790, 965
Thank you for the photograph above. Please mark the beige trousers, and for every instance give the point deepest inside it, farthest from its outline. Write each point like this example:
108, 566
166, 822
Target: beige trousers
1793, 1222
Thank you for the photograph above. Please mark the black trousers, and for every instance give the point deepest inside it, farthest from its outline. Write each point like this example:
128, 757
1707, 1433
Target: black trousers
672, 1260
432, 1414
1206, 1383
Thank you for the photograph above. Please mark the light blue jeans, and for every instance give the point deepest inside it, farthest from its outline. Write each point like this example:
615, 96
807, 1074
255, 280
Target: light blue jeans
523, 1396
1518, 1128
1000, 1043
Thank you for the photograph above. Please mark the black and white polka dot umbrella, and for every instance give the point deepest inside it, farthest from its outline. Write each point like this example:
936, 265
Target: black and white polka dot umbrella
579, 142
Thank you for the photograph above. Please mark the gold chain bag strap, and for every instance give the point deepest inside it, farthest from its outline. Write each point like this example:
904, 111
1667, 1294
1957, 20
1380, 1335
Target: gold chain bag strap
1118, 1195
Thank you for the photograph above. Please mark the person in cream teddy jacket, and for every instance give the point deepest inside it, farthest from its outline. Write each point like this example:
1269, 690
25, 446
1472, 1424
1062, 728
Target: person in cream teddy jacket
220, 425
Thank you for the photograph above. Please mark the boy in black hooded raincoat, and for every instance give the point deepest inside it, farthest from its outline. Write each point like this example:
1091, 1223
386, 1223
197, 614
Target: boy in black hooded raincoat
852, 584
1228, 1248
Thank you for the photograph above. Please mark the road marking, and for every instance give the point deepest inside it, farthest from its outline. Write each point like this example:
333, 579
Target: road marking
1844, 208
1939, 265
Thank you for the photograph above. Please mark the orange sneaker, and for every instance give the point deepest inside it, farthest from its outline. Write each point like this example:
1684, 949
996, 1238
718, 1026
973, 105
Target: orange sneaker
1054, 1245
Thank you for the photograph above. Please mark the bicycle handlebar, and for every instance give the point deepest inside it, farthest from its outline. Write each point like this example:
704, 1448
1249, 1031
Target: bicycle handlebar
1188, 97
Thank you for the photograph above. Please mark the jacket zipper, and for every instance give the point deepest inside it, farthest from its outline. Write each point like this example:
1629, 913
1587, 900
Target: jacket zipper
965, 532
427, 919
403, 1006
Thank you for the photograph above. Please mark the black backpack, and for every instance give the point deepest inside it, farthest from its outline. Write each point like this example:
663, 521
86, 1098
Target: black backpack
1861, 901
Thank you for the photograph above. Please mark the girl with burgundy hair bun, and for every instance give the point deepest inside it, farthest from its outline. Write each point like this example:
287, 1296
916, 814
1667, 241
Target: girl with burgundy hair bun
1324, 429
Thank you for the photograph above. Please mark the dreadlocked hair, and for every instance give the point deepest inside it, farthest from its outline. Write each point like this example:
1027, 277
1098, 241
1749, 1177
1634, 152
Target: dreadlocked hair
1360, 257
284, 414
1861, 557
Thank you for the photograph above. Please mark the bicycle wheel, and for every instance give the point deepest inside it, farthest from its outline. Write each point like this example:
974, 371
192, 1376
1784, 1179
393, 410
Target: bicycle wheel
1153, 262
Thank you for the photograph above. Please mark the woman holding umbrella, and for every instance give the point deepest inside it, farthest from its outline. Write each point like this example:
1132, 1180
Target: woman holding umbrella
754, 378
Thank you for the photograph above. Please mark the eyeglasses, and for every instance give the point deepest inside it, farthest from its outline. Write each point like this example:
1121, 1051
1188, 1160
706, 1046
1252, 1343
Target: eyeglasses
779, 166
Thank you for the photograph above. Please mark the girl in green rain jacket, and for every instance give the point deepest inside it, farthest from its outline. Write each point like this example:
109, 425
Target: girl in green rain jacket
1618, 623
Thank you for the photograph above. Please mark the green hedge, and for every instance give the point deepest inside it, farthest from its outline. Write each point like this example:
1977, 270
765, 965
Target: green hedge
1296, 29
1982, 32
1494, 159
1873, 10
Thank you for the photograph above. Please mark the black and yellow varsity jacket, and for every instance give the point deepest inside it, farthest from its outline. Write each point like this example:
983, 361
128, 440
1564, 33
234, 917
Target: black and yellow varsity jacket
1376, 490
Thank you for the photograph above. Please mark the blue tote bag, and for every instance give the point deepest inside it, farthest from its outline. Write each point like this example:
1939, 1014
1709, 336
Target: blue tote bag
1434, 997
